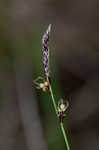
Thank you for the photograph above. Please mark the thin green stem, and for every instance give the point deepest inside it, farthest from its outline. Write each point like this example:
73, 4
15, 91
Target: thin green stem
65, 137
55, 106
61, 124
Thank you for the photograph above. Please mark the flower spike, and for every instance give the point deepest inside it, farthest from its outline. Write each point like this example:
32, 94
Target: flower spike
45, 50
40, 82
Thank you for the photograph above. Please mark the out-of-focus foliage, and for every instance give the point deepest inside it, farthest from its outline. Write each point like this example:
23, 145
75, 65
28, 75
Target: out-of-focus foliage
27, 117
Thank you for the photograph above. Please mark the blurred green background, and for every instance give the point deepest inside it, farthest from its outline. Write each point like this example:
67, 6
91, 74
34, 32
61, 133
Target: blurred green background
27, 117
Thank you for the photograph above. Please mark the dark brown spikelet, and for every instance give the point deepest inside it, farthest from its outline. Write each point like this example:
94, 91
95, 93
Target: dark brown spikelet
45, 50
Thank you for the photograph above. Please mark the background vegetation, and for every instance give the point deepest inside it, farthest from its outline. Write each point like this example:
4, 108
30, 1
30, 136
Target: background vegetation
27, 118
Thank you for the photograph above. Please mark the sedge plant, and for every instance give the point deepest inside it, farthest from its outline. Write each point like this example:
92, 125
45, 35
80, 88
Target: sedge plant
45, 85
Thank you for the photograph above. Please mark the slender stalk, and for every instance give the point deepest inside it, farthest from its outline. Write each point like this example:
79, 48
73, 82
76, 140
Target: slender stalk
65, 137
54, 103
61, 124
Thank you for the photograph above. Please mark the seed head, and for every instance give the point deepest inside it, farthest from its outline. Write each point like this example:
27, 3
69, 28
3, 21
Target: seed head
45, 50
